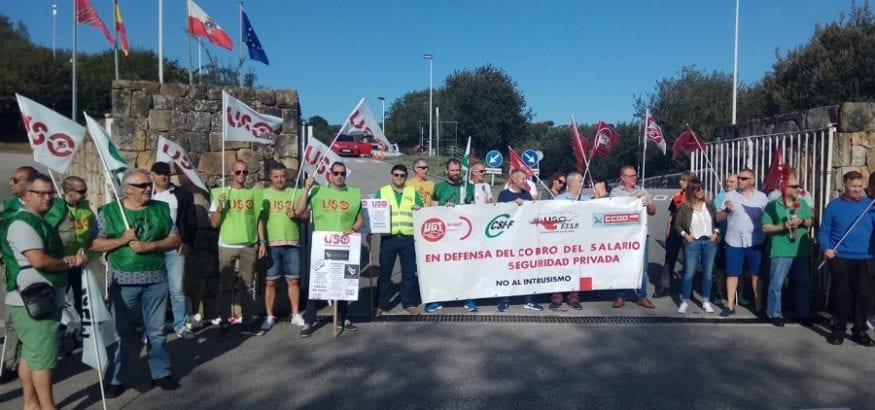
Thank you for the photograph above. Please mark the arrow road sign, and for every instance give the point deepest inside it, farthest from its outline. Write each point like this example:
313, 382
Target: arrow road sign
494, 159
530, 157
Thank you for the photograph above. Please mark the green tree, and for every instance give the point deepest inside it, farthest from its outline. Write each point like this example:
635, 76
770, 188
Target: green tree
408, 116
322, 130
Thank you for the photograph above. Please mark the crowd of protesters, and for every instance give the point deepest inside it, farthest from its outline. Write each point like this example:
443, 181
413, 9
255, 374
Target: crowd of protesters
147, 236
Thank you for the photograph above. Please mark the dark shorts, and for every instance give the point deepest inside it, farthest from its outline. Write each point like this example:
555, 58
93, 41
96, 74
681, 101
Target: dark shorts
739, 258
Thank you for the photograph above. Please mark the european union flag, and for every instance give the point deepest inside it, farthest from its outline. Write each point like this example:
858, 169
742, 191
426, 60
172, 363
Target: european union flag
251, 40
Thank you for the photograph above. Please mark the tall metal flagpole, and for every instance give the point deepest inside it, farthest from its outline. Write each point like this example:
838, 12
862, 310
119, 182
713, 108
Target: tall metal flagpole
54, 27
735, 68
240, 65
644, 147
161, 40
115, 49
190, 72
73, 86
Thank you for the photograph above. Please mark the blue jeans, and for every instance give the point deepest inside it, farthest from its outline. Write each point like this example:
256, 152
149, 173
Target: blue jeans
153, 299
780, 268
526, 299
641, 293
284, 260
703, 250
175, 270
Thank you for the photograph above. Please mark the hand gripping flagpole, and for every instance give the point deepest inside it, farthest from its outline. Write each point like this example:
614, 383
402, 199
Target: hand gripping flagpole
851, 228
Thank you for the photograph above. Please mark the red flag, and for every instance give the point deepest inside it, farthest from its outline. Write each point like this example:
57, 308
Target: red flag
604, 140
686, 143
654, 132
120, 28
201, 24
578, 144
517, 163
85, 14
779, 173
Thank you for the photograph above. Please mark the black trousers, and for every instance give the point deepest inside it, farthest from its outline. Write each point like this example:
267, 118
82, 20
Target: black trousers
74, 280
851, 292
673, 245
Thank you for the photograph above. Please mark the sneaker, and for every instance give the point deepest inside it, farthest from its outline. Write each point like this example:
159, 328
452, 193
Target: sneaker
870, 323
298, 319
185, 333
235, 320
268, 323
707, 307
433, 307
410, 309
727, 312
216, 321
306, 331
533, 306
471, 306
165, 383
575, 305
554, 306
349, 327
683, 307
502, 307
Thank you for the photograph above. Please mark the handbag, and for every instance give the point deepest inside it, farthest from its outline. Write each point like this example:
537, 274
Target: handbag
39, 300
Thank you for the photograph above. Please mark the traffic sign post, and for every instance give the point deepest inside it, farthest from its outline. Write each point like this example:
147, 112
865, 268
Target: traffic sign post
494, 159
530, 157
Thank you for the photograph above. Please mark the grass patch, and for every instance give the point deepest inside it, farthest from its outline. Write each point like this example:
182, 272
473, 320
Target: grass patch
16, 147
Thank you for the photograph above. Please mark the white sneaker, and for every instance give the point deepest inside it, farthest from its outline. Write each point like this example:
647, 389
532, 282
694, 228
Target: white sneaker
298, 320
268, 323
707, 307
683, 307
185, 333
216, 321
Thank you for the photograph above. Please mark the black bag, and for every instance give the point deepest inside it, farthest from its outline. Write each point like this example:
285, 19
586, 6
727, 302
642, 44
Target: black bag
39, 300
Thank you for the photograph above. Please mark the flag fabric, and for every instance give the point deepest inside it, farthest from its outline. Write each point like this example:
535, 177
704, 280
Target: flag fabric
53, 137
86, 14
362, 122
686, 143
244, 124
466, 170
202, 25
251, 40
120, 29
654, 132
578, 145
604, 141
98, 326
517, 163
171, 152
318, 159
779, 173
107, 151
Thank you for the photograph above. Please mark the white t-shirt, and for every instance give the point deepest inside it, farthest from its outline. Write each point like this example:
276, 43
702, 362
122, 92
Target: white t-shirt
168, 197
482, 193
22, 238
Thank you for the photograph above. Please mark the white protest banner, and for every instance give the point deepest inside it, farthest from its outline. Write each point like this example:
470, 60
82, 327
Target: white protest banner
318, 159
334, 265
244, 124
480, 251
53, 137
378, 215
361, 121
169, 151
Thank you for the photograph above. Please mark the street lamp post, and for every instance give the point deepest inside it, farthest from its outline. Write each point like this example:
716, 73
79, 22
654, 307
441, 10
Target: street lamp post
430, 58
383, 103
54, 27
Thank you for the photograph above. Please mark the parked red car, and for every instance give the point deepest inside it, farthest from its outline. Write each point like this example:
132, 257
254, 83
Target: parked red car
346, 145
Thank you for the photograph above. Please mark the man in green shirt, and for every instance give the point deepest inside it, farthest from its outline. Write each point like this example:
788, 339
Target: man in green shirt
234, 213
76, 229
336, 207
403, 200
277, 223
788, 219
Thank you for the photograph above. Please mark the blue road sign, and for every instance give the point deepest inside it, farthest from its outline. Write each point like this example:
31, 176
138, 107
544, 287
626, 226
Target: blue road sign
494, 159
530, 157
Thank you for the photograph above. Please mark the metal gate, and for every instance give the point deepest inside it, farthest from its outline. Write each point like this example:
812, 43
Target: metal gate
809, 152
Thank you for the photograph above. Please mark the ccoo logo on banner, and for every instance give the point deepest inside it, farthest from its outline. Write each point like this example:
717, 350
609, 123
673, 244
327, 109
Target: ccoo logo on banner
480, 251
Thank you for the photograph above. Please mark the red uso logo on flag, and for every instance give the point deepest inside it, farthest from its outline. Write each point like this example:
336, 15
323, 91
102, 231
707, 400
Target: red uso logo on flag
359, 125
336, 239
433, 229
60, 145
240, 120
178, 157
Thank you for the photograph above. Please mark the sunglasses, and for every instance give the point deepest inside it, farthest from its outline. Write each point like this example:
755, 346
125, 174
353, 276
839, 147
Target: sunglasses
142, 185
561, 182
80, 191
700, 190
241, 172
339, 173
41, 193
400, 175
794, 186
744, 178
480, 171
421, 167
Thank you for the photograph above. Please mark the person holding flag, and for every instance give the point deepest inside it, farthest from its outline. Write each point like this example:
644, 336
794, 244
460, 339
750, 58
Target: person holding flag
137, 274
34, 257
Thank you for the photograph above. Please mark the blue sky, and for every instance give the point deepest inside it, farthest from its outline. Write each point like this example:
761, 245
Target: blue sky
585, 57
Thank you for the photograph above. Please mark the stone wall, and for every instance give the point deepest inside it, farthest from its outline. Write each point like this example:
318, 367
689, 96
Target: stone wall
190, 115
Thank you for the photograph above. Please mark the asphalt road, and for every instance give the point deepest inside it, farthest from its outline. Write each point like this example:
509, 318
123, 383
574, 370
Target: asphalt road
596, 358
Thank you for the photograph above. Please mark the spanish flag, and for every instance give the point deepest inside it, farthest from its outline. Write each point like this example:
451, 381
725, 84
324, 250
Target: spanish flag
120, 28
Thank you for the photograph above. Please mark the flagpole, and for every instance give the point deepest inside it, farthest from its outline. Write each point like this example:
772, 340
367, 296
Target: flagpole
161, 40
95, 333
240, 65
644, 147
467, 173
54, 182
115, 48
708, 160
190, 73
73, 86
108, 177
735, 67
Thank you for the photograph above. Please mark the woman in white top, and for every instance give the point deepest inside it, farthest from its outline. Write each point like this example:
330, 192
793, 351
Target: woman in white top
696, 222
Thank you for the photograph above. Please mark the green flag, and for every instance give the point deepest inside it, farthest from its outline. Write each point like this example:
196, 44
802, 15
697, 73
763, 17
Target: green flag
109, 154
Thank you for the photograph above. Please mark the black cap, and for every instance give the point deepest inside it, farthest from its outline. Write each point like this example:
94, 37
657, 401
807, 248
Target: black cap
161, 168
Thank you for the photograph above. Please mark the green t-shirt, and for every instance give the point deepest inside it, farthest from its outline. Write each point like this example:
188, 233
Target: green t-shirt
239, 215
445, 192
335, 210
783, 244
280, 229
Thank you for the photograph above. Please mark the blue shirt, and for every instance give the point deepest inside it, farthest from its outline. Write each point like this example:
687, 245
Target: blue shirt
510, 196
838, 216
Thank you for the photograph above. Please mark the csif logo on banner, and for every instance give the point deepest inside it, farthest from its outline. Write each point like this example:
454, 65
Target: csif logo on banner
498, 225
